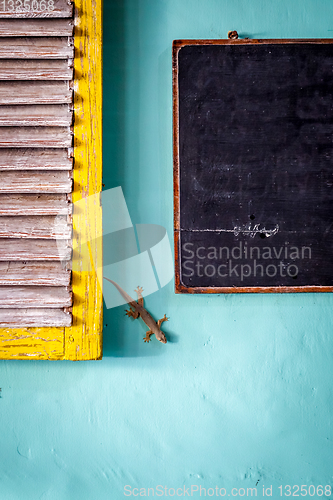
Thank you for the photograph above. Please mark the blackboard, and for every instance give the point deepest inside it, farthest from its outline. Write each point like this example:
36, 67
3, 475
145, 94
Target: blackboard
253, 165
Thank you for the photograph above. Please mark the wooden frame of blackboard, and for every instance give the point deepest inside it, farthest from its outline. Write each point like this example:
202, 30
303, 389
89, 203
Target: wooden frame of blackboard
179, 286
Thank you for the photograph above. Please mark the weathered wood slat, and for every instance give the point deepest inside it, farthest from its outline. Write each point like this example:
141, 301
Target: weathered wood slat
36, 27
35, 92
35, 182
16, 318
34, 204
46, 137
36, 69
38, 8
18, 69
34, 273
36, 48
24, 250
35, 159
37, 226
35, 296
46, 115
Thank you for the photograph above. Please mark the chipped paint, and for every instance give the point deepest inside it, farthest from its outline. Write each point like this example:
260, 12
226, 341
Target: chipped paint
83, 340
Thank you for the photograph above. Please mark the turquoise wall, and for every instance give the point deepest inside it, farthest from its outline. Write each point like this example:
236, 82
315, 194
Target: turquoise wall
242, 393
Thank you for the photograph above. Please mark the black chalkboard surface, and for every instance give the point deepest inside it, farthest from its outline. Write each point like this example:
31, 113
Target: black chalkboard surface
253, 165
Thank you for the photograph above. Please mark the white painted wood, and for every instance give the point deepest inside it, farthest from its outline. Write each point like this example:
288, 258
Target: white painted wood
35, 182
52, 137
34, 204
34, 273
35, 92
45, 115
36, 69
37, 226
60, 8
16, 318
36, 27
24, 250
35, 296
36, 96
35, 159
36, 48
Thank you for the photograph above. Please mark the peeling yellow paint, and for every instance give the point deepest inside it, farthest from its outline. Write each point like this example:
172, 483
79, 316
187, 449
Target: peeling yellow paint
37, 343
83, 340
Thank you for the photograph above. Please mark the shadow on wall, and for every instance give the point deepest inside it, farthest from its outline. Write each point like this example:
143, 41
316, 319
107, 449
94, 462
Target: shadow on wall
113, 139
122, 336
114, 72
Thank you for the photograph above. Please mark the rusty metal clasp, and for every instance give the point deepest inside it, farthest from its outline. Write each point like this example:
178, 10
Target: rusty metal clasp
232, 35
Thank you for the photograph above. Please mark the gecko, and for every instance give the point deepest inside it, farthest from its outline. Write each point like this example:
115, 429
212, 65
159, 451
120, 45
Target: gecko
137, 310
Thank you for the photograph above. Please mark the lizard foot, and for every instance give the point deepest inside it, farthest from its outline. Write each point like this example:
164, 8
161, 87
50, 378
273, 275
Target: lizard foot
160, 321
133, 314
139, 291
147, 337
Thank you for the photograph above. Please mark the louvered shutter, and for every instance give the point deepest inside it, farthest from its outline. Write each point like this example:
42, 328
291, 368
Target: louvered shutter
36, 162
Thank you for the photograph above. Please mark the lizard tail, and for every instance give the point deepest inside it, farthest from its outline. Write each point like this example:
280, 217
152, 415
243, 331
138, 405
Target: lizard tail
122, 292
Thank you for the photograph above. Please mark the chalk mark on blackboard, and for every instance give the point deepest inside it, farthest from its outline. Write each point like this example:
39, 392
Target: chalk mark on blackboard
246, 229
237, 230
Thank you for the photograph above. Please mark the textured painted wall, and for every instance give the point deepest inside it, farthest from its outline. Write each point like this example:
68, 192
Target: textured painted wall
242, 394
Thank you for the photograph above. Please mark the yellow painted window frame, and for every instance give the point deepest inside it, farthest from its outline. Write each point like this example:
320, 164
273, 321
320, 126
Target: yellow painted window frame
83, 340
